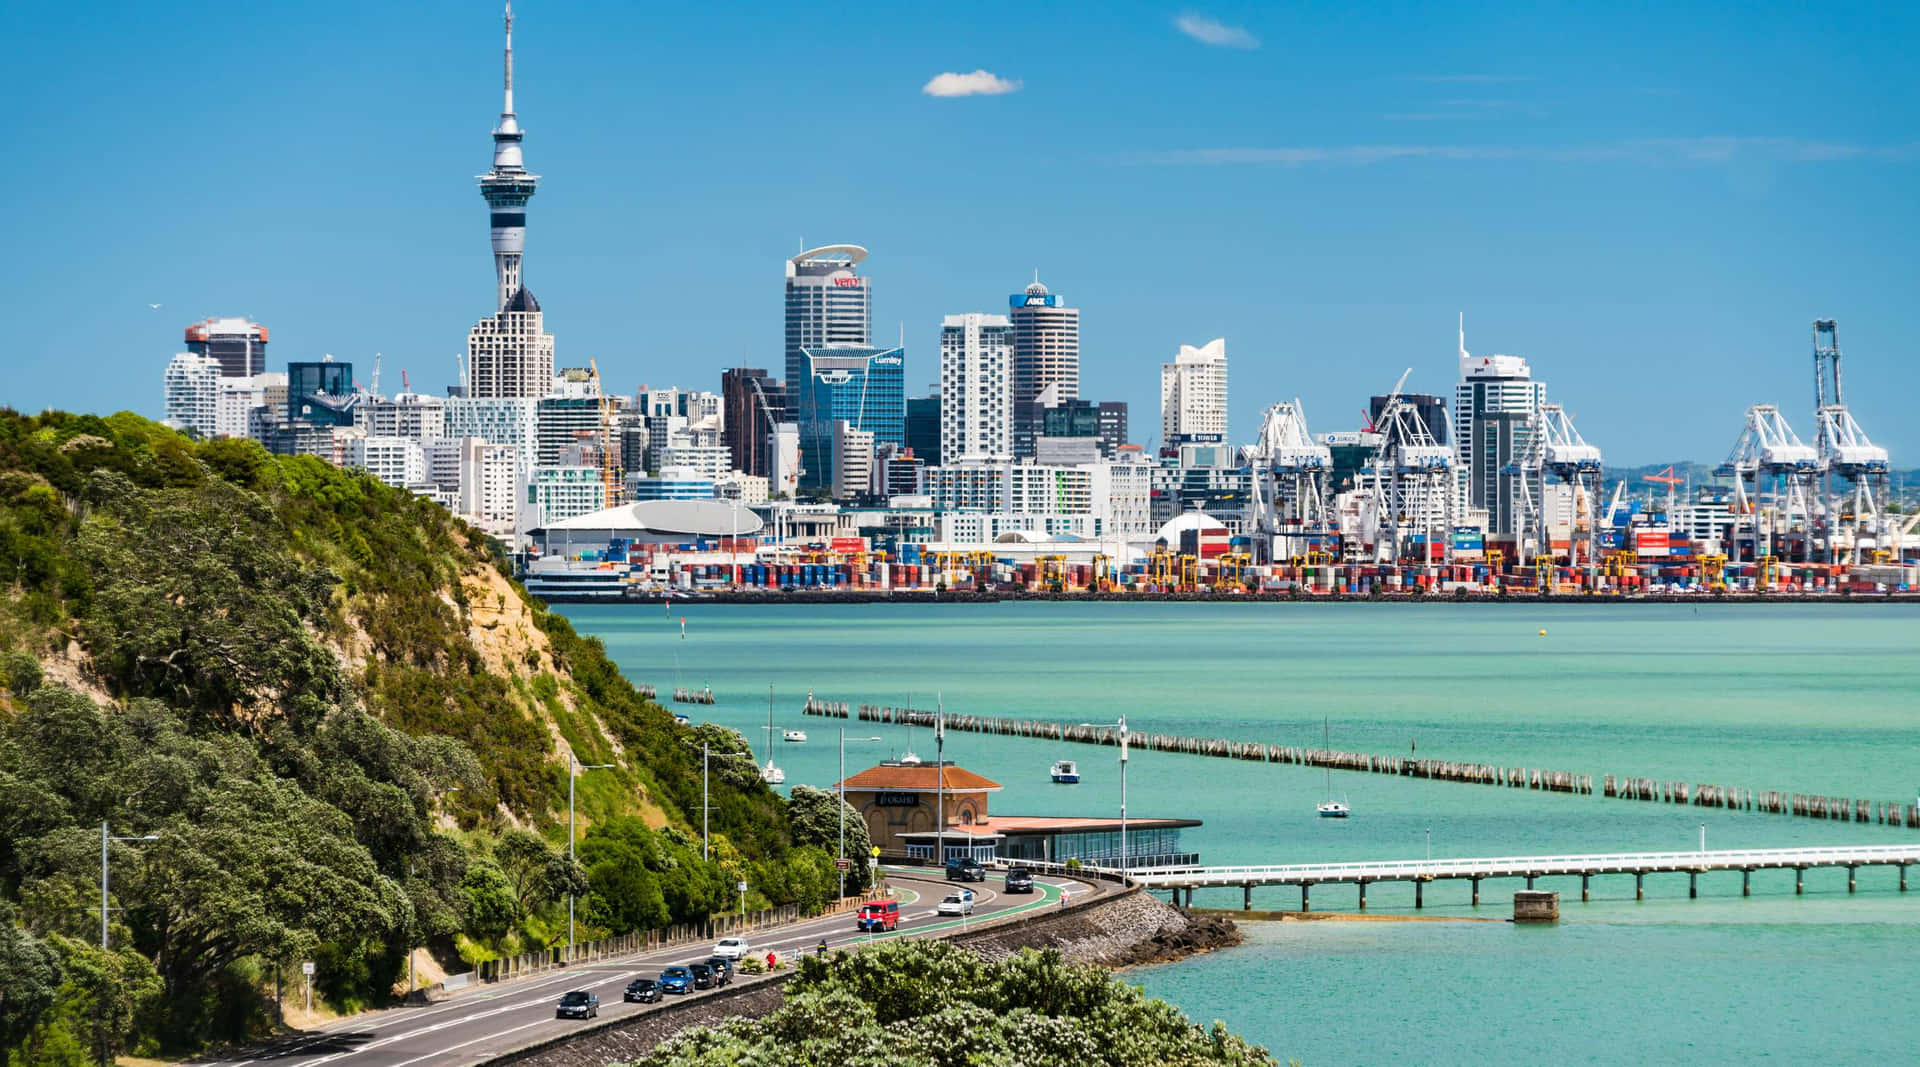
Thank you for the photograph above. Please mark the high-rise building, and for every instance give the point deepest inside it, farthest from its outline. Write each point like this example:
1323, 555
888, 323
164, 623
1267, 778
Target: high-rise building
862, 386
556, 494
240, 398
397, 461
192, 393
320, 392
1193, 394
922, 433
753, 404
239, 346
1046, 352
1431, 409
509, 353
1493, 417
490, 477
568, 415
828, 305
976, 397
1105, 421
853, 459
419, 416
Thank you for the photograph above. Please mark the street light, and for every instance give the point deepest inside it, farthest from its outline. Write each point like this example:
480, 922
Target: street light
1703, 837
1429, 844
840, 863
574, 767
1122, 724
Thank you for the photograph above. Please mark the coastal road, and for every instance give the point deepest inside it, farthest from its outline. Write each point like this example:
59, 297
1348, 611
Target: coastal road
473, 1027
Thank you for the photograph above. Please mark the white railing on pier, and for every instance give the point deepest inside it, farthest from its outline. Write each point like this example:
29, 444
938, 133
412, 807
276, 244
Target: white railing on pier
1524, 866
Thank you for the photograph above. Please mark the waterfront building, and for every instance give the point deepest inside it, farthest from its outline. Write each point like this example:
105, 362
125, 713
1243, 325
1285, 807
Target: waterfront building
861, 386
509, 353
1494, 408
711, 462
557, 493
921, 434
238, 345
672, 483
976, 398
1046, 353
749, 489
321, 393
828, 305
397, 461
1095, 500
192, 393
1193, 394
752, 404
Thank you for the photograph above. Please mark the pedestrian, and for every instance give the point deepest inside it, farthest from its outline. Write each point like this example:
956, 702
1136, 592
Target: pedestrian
772, 961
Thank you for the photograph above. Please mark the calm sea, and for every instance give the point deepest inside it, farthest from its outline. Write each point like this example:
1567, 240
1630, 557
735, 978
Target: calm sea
1806, 698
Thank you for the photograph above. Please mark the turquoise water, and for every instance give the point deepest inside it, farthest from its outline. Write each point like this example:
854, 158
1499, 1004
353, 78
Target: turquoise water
1807, 698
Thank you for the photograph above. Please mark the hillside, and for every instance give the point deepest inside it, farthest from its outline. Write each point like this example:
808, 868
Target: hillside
348, 728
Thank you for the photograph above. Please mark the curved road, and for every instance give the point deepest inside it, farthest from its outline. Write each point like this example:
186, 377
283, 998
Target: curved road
473, 1027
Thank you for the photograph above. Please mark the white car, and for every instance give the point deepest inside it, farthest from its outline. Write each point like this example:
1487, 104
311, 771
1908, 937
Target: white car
959, 902
731, 948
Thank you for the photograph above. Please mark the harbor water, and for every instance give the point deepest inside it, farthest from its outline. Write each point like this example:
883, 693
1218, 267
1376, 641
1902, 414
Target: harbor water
1809, 698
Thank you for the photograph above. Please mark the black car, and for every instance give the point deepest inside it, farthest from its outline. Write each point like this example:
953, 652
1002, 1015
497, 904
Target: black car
577, 1004
965, 870
702, 975
642, 991
1019, 880
722, 970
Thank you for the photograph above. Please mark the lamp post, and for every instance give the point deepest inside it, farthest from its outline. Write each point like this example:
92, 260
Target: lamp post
574, 767
1703, 837
1122, 724
706, 801
840, 862
1429, 844
107, 837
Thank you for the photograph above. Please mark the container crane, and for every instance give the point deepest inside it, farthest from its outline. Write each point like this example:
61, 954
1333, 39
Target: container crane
1411, 477
1768, 446
1567, 456
1290, 472
1845, 450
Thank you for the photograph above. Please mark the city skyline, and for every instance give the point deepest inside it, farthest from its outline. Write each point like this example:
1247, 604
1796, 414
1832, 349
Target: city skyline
1649, 379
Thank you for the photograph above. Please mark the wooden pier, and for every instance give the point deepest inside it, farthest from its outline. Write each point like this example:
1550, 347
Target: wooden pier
1638, 864
702, 695
1848, 809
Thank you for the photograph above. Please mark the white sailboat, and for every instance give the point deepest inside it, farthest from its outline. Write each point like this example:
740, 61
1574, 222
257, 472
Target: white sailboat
1330, 808
771, 774
908, 758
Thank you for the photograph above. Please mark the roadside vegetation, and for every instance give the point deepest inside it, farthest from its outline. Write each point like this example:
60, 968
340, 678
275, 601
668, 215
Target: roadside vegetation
347, 731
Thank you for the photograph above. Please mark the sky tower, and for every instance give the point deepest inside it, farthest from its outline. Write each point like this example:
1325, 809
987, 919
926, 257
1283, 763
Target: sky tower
507, 188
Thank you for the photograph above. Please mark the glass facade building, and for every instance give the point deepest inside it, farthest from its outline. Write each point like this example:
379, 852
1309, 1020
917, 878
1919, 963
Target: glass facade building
862, 386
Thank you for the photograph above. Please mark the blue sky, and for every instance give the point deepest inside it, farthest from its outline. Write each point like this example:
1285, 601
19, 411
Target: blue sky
1650, 202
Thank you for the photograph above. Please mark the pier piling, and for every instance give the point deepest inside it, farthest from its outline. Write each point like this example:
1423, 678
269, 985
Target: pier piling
1363, 894
1246, 897
1584, 895
1419, 895
1476, 891
1693, 885
1850, 883
1304, 905
1746, 882
1903, 878
1639, 885
1799, 880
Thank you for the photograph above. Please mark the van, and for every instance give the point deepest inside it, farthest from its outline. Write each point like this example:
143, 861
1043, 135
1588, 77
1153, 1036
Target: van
878, 915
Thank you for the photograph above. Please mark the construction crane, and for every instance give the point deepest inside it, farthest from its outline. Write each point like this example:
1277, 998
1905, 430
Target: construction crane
1411, 478
1669, 479
1290, 472
1768, 446
1846, 451
610, 476
374, 387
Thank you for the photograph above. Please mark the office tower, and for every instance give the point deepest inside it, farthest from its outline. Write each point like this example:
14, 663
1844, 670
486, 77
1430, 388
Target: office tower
862, 386
1105, 421
1193, 394
237, 345
1046, 352
192, 393
320, 393
490, 477
569, 414
509, 353
1493, 412
922, 433
828, 305
752, 404
853, 457
976, 397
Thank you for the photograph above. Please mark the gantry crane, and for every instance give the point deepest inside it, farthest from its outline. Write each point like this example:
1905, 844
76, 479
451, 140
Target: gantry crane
1846, 451
1768, 446
1411, 476
1290, 472
1567, 456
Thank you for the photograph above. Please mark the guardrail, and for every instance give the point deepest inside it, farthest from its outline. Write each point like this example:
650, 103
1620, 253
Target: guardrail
556, 957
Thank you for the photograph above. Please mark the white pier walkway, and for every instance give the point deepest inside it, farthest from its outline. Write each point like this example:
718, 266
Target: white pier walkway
1639, 864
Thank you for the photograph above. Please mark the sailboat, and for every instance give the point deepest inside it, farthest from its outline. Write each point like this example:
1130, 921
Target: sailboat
1330, 808
908, 758
771, 774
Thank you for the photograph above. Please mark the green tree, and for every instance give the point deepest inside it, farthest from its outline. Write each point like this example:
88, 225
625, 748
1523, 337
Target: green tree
29, 976
490, 908
816, 816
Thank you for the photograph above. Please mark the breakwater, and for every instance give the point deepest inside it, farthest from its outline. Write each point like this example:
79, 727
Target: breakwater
1773, 802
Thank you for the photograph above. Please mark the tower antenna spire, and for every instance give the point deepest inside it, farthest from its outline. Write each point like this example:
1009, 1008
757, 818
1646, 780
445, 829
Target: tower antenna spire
508, 109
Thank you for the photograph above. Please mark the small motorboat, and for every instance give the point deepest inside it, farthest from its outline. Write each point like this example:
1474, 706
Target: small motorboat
798, 737
1333, 809
1065, 772
683, 718
773, 775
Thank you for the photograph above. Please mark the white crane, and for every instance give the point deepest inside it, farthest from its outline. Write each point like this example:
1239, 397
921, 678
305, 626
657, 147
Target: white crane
1554, 446
1411, 476
1768, 446
1846, 451
1290, 472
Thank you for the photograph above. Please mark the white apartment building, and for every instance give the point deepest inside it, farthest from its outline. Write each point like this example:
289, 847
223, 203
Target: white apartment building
748, 489
397, 461
490, 476
443, 467
557, 493
233, 409
711, 462
976, 388
1104, 500
510, 421
783, 474
852, 460
192, 393
1193, 392
418, 416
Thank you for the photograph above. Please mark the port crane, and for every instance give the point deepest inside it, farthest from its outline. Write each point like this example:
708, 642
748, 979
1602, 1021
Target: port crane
1845, 450
1290, 472
1411, 479
1768, 447
1554, 446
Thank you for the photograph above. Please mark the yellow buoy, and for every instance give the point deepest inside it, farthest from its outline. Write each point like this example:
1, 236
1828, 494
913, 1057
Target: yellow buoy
1543, 633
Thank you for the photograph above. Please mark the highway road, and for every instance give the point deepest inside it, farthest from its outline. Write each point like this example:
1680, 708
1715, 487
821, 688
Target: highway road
472, 1027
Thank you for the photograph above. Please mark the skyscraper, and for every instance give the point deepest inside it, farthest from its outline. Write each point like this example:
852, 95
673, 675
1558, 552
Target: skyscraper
320, 392
237, 345
754, 404
1193, 394
192, 393
509, 353
1046, 352
1493, 409
976, 398
864, 387
922, 435
827, 304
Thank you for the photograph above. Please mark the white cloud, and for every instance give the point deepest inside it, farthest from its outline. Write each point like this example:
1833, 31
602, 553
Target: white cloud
1666, 150
979, 83
1214, 32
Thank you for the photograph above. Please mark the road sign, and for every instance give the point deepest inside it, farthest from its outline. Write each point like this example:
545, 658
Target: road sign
307, 968
876, 852
742, 887
843, 865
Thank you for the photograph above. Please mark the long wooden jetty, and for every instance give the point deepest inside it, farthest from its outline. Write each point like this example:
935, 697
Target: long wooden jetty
1639, 864
1846, 809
